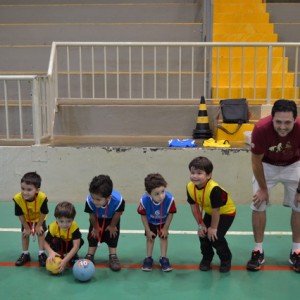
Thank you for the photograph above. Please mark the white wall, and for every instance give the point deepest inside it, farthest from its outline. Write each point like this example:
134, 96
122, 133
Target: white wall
67, 171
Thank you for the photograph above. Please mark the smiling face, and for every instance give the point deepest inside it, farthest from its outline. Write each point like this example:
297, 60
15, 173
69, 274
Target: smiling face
283, 123
199, 177
28, 191
158, 194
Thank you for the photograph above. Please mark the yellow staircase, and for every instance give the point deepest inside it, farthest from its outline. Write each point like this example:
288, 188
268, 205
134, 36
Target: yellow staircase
247, 21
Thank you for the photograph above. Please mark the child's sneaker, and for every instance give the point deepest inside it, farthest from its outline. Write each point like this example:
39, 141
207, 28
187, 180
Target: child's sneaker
204, 265
90, 257
73, 260
295, 261
114, 262
42, 259
225, 266
23, 259
165, 264
256, 260
147, 264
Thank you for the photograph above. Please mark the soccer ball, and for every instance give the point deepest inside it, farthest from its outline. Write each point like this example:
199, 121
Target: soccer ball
83, 270
52, 267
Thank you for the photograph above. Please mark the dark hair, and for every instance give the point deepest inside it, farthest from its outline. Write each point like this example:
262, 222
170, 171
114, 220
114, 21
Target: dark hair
202, 163
153, 181
65, 210
101, 185
283, 105
32, 178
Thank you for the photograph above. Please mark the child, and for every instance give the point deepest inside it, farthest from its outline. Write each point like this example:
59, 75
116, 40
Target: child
105, 207
32, 208
156, 208
219, 213
63, 236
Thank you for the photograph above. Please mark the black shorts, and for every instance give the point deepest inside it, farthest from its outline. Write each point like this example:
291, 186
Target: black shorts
155, 229
111, 242
43, 225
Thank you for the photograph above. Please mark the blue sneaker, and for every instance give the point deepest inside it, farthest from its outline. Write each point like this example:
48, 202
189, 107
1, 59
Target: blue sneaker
165, 264
147, 264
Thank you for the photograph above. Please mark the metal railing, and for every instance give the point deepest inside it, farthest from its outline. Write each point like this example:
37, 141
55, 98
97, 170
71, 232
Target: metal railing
145, 71
174, 70
27, 110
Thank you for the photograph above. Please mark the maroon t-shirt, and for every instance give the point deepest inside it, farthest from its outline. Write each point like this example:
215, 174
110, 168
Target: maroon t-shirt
277, 150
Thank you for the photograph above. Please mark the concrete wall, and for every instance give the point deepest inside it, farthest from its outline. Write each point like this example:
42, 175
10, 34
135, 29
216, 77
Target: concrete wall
67, 171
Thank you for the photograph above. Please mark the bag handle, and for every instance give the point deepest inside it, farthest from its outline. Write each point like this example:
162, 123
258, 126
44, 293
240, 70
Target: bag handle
228, 132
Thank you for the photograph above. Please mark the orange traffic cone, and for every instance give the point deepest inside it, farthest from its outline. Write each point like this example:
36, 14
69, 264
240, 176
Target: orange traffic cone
202, 130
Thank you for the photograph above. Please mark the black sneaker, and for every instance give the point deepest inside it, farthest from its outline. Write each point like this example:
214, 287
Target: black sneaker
23, 259
114, 263
147, 264
205, 265
225, 266
73, 259
42, 259
295, 261
256, 260
90, 257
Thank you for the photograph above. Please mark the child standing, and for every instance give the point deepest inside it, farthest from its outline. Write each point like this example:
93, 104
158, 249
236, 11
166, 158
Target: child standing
156, 208
32, 208
219, 213
105, 207
63, 238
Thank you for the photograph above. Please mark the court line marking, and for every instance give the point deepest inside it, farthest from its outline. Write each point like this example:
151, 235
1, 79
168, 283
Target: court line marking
156, 266
179, 232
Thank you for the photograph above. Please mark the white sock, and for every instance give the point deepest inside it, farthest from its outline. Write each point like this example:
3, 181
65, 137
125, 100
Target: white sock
258, 246
26, 252
295, 247
41, 251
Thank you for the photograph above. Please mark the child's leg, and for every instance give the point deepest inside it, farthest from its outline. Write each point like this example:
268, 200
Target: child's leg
149, 246
163, 247
25, 243
42, 255
25, 256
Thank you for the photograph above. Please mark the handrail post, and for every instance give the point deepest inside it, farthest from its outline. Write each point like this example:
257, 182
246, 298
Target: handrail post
36, 111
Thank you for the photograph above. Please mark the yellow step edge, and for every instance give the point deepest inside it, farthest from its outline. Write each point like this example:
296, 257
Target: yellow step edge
246, 51
237, 1
247, 65
247, 28
260, 93
245, 37
240, 7
241, 18
249, 80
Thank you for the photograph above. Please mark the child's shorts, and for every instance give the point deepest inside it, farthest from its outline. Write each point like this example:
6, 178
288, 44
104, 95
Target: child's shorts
111, 242
288, 176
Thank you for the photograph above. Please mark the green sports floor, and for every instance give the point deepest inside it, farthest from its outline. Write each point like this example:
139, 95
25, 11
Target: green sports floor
275, 281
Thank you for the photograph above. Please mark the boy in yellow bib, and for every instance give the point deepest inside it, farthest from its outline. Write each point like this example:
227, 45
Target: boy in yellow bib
205, 195
31, 207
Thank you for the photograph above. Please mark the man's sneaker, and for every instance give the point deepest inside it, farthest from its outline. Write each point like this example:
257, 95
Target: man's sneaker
23, 259
204, 265
90, 257
114, 262
256, 260
165, 264
295, 261
147, 264
42, 259
225, 266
